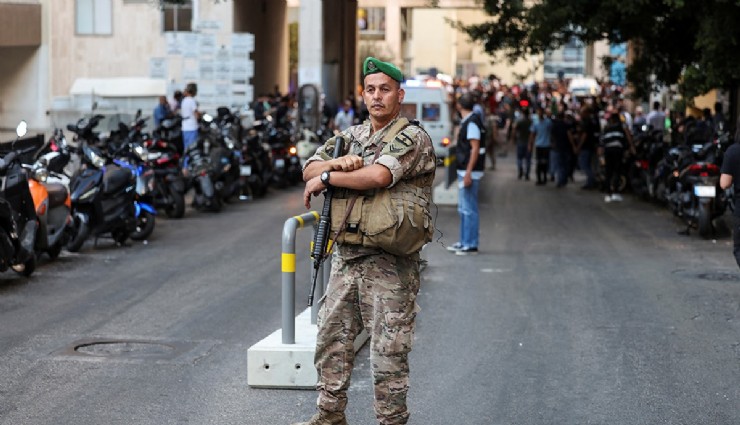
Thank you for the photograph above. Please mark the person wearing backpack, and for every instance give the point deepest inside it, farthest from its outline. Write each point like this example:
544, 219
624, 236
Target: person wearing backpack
471, 160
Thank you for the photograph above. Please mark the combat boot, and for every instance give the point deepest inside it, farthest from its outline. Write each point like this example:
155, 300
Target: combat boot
326, 418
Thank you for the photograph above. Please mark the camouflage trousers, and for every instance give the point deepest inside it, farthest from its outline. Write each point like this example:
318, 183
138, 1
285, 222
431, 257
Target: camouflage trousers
377, 293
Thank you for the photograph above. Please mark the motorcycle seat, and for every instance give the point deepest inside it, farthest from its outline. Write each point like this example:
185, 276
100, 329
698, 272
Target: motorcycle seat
57, 194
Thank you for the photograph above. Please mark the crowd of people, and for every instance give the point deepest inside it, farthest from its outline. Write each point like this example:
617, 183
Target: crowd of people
556, 133
552, 132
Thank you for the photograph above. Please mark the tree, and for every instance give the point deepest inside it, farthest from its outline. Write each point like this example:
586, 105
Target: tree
691, 42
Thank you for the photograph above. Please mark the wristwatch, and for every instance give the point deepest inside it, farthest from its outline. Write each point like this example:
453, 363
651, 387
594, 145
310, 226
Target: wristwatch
325, 176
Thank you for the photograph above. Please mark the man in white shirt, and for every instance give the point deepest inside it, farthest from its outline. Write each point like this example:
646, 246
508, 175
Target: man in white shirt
656, 117
190, 115
345, 117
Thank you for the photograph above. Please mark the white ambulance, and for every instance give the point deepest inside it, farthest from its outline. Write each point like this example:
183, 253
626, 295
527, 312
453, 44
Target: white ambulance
429, 103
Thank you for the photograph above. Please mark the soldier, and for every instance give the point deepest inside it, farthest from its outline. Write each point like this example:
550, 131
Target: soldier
370, 287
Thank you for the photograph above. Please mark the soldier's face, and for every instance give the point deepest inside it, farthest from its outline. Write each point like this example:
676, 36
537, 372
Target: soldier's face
383, 96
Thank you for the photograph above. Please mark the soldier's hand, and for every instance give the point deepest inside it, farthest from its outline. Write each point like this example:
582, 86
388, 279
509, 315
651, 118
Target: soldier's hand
313, 187
347, 163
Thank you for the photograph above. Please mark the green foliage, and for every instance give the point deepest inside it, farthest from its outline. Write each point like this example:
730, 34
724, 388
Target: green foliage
694, 42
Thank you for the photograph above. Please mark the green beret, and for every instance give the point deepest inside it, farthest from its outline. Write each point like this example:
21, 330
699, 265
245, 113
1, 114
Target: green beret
372, 65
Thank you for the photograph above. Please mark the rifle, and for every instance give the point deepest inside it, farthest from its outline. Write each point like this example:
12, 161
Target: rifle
323, 228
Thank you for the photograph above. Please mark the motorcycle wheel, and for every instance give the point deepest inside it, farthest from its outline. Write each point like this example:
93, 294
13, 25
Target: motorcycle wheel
256, 187
215, 204
119, 236
54, 251
176, 208
144, 226
80, 232
26, 268
6, 250
705, 221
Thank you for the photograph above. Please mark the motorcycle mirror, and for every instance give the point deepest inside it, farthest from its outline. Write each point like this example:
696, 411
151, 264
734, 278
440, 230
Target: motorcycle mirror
22, 129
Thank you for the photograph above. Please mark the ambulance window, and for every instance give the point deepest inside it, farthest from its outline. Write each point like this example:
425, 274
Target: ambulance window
430, 112
408, 110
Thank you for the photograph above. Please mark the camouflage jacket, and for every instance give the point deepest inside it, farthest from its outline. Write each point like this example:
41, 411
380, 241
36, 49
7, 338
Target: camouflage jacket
407, 157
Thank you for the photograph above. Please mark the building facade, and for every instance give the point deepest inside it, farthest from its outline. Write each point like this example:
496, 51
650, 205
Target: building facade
418, 38
61, 57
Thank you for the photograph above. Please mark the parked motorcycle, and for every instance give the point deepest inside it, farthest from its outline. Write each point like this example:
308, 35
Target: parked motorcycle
692, 186
53, 206
18, 222
145, 211
213, 167
286, 166
201, 172
310, 141
255, 166
164, 158
59, 155
102, 197
642, 167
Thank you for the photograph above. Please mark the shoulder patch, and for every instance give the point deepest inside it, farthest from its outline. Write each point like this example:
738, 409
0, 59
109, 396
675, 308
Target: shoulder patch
404, 142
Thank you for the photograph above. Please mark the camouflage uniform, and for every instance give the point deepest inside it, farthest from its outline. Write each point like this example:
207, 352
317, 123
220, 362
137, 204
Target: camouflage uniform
372, 289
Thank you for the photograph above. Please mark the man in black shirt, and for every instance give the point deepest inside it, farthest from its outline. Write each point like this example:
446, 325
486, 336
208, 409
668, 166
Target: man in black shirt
730, 176
562, 141
588, 138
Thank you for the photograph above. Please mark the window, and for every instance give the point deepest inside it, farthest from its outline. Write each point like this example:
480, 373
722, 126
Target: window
430, 111
371, 22
178, 17
94, 17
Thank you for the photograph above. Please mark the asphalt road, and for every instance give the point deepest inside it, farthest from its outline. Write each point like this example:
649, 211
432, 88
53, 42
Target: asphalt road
574, 312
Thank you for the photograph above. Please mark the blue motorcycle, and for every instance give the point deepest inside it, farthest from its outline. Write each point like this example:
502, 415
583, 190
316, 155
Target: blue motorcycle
144, 200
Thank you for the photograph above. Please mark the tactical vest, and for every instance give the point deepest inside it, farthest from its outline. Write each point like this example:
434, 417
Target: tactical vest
396, 219
463, 150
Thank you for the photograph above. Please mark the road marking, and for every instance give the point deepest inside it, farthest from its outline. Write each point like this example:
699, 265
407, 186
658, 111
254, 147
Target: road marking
495, 270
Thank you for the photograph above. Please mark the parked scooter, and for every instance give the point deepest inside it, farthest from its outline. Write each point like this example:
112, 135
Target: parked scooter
642, 167
164, 159
286, 167
102, 197
201, 171
310, 141
18, 222
59, 155
134, 159
53, 208
255, 167
691, 187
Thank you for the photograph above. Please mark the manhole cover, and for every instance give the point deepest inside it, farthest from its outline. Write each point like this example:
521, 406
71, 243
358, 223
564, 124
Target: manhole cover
712, 275
125, 349
720, 276
128, 349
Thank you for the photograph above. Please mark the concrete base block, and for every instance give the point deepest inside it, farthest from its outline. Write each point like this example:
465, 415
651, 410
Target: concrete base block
272, 364
445, 196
